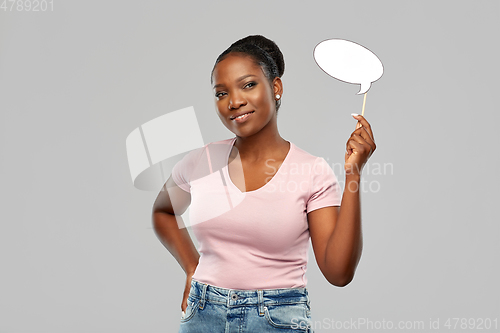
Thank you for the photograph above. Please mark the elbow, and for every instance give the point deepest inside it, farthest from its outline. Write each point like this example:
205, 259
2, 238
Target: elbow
344, 282
341, 280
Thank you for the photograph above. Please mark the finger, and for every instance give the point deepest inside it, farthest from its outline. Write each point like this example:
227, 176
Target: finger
363, 132
360, 145
354, 142
362, 121
359, 139
353, 145
348, 147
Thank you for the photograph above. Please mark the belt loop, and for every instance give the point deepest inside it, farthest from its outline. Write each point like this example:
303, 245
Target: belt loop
228, 298
203, 295
261, 301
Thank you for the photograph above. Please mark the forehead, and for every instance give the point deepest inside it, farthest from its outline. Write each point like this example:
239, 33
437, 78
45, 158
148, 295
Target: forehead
235, 66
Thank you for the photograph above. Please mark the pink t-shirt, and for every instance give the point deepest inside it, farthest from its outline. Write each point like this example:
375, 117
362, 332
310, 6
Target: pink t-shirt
257, 239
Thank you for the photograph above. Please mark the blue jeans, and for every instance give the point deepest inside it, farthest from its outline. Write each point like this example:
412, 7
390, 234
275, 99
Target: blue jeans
212, 309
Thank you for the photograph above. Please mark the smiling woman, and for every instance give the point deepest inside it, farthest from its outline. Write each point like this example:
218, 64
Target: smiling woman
248, 89
244, 278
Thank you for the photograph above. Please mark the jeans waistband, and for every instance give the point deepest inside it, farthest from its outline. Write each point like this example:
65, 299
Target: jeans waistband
241, 297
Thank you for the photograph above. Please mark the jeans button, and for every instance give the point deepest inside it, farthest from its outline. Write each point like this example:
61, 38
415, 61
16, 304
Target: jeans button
234, 297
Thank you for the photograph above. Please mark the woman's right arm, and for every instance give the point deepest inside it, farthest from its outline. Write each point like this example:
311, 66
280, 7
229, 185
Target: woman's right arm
172, 201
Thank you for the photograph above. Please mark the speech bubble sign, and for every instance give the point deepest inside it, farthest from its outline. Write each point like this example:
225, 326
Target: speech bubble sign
348, 62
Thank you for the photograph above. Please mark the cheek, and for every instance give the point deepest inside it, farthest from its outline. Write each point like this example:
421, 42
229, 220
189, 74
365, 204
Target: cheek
263, 98
220, 106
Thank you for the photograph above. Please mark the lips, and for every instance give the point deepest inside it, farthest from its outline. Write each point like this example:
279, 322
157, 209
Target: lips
240, 114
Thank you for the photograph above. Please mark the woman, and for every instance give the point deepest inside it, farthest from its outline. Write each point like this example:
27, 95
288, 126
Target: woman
250, 276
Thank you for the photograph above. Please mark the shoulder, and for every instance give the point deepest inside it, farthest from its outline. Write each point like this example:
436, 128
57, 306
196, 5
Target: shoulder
209, 147
223, 141
317, 168
304, 157
227, 143
194, 163
210, 154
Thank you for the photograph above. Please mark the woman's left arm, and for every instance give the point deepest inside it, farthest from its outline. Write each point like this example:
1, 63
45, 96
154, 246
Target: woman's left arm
336, 233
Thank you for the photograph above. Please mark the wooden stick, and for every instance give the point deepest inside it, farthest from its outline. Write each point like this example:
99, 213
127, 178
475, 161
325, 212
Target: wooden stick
364, 102
358, 125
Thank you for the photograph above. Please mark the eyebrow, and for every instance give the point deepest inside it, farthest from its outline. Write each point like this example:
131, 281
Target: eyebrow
238, 80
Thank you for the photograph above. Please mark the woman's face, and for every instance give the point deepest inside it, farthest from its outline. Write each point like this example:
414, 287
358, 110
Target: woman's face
239, 85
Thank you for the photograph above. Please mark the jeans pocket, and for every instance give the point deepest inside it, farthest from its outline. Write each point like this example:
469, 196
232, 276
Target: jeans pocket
288, 316
192, 308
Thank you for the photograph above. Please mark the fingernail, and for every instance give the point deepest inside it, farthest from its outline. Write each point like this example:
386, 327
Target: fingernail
354, 114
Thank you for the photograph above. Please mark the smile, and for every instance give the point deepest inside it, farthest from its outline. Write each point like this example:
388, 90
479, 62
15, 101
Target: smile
243, 117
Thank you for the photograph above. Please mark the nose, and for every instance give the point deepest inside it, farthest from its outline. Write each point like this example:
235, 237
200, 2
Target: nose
236, 101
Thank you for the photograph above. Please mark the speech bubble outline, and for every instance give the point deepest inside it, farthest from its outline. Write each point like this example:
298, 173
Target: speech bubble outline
348, 62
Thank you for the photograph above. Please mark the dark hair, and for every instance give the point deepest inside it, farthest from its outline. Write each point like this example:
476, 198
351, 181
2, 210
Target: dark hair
264, 52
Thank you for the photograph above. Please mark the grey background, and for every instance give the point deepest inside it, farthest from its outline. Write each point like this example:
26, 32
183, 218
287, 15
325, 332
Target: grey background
77, 250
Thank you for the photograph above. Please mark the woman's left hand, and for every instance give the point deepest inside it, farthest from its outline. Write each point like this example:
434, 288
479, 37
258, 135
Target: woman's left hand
359, 147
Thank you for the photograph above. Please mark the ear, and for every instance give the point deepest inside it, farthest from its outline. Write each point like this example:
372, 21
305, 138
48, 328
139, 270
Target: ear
277, 86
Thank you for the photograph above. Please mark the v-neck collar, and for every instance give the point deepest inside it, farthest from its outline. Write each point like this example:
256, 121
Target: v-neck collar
287, 157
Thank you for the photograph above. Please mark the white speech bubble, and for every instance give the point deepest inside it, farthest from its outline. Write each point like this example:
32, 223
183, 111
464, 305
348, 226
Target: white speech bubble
349, 62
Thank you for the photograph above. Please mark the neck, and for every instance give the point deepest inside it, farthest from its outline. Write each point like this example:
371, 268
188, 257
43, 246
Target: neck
260, 146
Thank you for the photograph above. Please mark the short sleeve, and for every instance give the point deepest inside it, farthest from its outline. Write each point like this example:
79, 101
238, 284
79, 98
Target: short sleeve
324, 189
182, 170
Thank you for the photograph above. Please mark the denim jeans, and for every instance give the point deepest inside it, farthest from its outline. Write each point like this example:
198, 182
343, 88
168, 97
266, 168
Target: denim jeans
219, 310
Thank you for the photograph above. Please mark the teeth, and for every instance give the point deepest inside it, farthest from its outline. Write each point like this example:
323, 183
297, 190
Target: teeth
243, 115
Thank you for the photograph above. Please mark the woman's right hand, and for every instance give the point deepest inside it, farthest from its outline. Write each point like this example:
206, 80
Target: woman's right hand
187, 289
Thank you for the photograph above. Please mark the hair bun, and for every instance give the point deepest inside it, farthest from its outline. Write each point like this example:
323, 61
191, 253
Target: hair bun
267, 46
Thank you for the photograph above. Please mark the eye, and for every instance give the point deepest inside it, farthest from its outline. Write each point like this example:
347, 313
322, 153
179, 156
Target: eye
250, 84
219, 94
